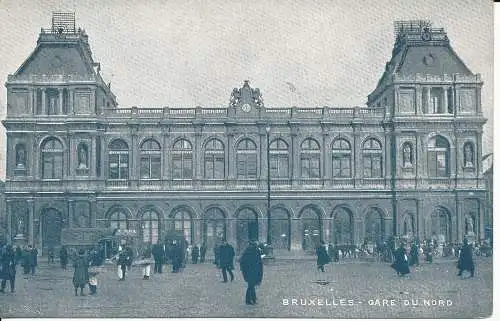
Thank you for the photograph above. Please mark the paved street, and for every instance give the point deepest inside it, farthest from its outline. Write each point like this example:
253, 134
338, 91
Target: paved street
199, 292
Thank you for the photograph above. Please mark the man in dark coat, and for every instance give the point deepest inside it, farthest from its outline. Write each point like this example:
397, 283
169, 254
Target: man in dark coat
159, 256
252, 269
203, 252
195, 252
19, 254
123, 260
8, 272
177, 256
226, 259
322, 257
81, 272
63, 257
465, 261
414, 254
401, 261
33, 259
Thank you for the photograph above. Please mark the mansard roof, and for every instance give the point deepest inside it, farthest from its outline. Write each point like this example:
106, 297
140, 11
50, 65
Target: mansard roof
421, 49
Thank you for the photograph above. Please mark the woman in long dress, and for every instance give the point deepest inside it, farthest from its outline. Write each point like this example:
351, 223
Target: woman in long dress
81, 272
401, 261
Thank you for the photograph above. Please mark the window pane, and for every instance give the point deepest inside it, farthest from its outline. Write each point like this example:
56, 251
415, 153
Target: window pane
47, 166
155, 167
176, 167
144, 167
219, 167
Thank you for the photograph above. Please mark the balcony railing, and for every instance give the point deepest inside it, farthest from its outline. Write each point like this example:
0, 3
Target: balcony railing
68, 185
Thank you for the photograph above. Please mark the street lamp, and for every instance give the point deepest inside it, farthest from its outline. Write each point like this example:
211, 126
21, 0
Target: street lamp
268, 130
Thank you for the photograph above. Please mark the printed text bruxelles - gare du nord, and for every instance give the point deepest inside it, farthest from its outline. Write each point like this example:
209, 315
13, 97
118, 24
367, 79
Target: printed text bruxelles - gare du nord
371, 302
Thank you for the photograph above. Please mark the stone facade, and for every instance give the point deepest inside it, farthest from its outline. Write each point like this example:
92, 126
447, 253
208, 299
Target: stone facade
405, 164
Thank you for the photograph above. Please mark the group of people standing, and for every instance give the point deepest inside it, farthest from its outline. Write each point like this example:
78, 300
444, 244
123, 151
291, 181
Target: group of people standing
403, 260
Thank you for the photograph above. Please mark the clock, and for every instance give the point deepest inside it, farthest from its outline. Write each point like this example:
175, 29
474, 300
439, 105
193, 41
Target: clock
426, 35
246, 108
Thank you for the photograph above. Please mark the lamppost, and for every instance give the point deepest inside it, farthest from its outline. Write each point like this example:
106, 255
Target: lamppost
268, 130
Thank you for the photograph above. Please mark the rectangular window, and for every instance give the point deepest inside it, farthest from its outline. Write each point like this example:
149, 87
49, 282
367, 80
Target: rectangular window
341, 166
113, 166
156, 167
279, 166
176, 167
144, 168
123, 166
372, 166
441, 164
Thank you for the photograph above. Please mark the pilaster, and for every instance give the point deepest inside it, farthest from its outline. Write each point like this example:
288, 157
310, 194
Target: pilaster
31, 213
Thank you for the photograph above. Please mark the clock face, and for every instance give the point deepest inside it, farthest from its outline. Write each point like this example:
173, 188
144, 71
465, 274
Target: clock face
426, 36
246, 108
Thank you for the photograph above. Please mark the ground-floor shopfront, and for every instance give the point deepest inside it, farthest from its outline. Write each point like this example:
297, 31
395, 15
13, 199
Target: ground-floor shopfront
296, 222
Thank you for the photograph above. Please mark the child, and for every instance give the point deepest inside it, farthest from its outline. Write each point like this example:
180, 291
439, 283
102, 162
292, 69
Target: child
93, 280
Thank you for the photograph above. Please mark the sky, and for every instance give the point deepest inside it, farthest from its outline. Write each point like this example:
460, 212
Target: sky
188, 53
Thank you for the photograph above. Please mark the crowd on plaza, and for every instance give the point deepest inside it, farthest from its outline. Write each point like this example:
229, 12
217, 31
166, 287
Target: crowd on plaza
406, 255
88, 264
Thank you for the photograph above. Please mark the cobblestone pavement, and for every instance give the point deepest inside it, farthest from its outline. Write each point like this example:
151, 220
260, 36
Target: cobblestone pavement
199, 292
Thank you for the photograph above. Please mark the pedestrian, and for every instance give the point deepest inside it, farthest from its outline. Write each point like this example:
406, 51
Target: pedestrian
50, 255
252, 269
33, 259
401, 261
177, 255
146, 256
414, 254
19, 254
203, 252
195, 253
93, 280
25, 260
226, 257
465, 261
81, 272
63, 257
123, 260
322, 257
216, 254
130, 255
8, 268
159, 256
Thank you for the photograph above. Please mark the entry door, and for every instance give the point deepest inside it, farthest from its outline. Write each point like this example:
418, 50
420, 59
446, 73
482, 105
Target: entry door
51, 229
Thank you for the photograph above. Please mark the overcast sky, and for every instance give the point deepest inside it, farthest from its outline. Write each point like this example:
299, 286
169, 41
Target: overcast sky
189, 53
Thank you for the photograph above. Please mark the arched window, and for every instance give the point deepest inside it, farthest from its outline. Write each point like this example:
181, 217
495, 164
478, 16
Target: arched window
150, 159
214, 229
374, 227
310, 154
118, 159
311, 229
469, 160
118, 220
150, 227
278, 158
246, 159
83, 154
20, 156
441, 225
280, 229
438, 157
341, 158
184, 223
52, 158
182, 160
372, 158
407, 155
342, 227
214, 159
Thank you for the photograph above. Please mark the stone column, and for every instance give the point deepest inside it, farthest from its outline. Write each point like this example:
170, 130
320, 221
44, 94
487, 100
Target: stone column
296, 235
133, 159
480, 234
197, 231
9, 221
262, 176
31, 212
165, 154
262, 221
429, 102
445, 100
92, 153
44, 102
60, 111
71, 212
419, 103
71, 101
93, 211
31, 99
197, 158
325, 162
230, 159
295, 155
230, 230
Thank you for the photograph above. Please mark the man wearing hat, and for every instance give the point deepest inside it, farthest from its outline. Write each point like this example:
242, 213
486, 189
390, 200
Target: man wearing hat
252, 270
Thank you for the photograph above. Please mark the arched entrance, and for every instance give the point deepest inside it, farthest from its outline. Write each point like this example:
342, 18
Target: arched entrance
214, 227
342, 227
441, 225
374, 226
280, 229
52, 223
311, 229
247, 228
